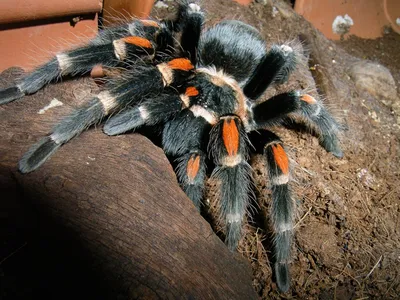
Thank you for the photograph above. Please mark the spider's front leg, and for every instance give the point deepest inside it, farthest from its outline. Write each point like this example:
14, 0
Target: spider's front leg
131, 88
279, 107
185, 137
115, 46
80, 61
282, 207
228, 146
152, 111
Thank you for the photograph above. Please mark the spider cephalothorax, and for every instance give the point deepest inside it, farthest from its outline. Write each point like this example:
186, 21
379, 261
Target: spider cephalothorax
206, 92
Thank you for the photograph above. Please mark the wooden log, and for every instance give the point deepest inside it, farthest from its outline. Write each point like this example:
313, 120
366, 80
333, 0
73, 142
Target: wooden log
104, 217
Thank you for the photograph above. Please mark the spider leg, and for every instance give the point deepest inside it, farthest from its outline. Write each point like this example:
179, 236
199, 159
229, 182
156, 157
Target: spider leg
156, 110
191, 173
113, 46
79, 61
184, 10
134, 86
275, 67
229, 150
275, 109
185, 137
153, 111
191, 32
282, 206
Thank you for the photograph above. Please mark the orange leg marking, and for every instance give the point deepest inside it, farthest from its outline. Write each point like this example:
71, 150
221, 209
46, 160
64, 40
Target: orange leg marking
191, 91
281, 158
181, 64
193, 167
309, 99
230, 136
150, 23
138, 41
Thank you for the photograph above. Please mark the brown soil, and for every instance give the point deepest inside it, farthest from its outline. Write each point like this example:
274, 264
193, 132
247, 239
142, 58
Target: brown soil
347, 239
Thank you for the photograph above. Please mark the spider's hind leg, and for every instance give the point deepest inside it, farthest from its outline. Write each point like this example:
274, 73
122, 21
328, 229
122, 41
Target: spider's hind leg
228, 145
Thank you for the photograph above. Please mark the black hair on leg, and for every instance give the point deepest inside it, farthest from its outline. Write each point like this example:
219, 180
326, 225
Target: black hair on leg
10, 94
71, 126
176, 24
282, 207
229, 150
186, 137
275, 67
37, 154
326, 125
128, 90
32, 82
82, 60
191, 32
274, 110
78, 61
191, 171
152, 111
185, 133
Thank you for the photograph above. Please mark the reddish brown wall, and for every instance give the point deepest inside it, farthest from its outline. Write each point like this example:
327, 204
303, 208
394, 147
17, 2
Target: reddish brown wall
114, 10
32, 31
28, 10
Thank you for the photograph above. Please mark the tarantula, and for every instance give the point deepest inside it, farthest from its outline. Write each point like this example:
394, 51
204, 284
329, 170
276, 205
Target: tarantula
204, 91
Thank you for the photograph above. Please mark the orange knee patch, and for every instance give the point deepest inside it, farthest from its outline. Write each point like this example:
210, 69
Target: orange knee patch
309, 99
138, 41
191, 91
230, 136
281, 158
180, 64
150, 23
193, 167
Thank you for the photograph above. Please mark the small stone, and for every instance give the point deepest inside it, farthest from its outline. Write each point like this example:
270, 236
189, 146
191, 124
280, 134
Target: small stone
161, 4
274, 11
376, 80
263, 2
341, 25
367, 179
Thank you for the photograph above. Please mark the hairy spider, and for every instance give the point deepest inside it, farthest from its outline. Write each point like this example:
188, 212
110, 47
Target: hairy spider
204, 91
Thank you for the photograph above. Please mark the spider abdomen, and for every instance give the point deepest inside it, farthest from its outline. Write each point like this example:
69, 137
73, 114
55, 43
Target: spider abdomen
232, 46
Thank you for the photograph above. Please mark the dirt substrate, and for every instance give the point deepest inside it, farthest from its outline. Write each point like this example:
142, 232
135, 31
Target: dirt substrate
347, 232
